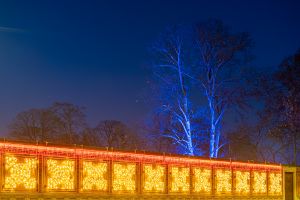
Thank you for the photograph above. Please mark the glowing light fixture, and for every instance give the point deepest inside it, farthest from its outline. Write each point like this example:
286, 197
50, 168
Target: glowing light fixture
223, 181
259, 182
94, 176
60, 174
154, 178
242, 182
124, 177
202, 180
275, 183
180, 179
20, 173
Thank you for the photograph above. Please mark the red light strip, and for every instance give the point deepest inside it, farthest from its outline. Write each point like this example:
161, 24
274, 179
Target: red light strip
8, 147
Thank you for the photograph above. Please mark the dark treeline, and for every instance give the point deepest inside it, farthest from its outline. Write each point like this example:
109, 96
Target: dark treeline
65, 123
207, 98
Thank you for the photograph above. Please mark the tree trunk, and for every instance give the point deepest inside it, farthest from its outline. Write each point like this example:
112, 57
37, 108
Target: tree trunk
189, 138
212, 130
217, 142
188, 127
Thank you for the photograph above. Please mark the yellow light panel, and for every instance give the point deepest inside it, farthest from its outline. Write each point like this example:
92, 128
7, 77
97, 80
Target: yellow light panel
124, 177
60, 174
20, 173
259, 182
275, 182
202, 180
223, 181
242, 182
154, 178
94, 176
180, 179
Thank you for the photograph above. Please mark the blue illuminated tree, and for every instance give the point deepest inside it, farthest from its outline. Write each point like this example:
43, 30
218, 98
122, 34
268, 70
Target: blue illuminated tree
219, 68
171, 68
201, 73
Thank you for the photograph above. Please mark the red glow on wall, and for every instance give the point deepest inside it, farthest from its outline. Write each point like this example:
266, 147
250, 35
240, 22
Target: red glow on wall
80, 152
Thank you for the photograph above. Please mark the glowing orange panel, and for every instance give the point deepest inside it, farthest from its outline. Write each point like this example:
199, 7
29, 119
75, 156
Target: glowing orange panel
94, 176
242, 182
154, 178
259, 182
20, 173
275, 183
223, 181
180, 179
124, 177
202, 180
60, 174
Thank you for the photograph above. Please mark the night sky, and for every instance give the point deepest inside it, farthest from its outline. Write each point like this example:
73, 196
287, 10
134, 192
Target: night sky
94, 53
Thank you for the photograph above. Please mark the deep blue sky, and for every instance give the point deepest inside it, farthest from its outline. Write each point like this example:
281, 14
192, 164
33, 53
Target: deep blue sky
92, 53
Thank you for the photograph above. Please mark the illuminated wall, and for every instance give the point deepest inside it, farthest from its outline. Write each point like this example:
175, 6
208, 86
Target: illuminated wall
154, 178
20, 173
60, 174
179, 179
124, 177
94, 176
223, 178
202, 180
43, 170
259, 183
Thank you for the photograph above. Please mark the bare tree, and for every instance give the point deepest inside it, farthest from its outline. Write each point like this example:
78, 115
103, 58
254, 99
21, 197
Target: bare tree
155, 126
286, 105
275, 133
221, 55
112, 134
35, 125
171, 68
90, 137
240, 145
212, 61
72, 121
